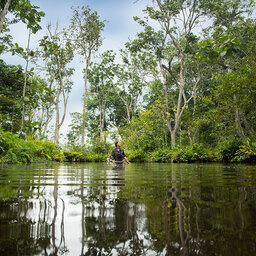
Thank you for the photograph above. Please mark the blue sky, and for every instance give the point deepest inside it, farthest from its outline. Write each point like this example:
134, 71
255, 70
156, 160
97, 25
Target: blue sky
118, 29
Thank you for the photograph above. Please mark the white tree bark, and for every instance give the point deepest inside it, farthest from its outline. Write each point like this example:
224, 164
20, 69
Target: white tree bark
3, 14
85, 98
61, 90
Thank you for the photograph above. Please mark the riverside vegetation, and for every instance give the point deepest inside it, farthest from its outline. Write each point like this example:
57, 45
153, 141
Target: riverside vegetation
182, 93
15, 150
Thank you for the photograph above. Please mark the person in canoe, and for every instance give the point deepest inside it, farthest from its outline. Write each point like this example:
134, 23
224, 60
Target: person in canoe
118, 154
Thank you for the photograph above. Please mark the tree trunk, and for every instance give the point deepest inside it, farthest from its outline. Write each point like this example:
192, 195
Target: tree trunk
239, 127
248, 127
65, 101
25, 83
85, 98
128, 114
101, 117
180, 108
48, 114
12, 118
127, 108
3, 14
190, 138
167, 114
45, 126
57, 129
173, 138
59, 123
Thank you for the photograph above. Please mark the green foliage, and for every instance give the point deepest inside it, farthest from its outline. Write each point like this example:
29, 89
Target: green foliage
72, 156
74, 133
163, 66
161, 155
183, 155
22, 11
147, 131
98, 151
195, 153
238, 151
100, 146
229, 149
84, 156
11, 82
98, 157
100, 76
15, 150
188, 154
86, 28
246, 152
137, 155
38, 98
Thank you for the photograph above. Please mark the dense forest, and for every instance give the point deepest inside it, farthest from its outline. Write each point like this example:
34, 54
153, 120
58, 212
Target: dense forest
182, 90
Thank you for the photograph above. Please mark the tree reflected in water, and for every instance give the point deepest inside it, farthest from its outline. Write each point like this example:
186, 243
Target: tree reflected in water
72, 210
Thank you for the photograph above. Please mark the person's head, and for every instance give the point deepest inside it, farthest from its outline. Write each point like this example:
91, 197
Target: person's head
117, 144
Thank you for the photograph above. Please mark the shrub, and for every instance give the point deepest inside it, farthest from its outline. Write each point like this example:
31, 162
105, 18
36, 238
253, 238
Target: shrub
136, 155
246, 152
185, 155
203, 154
100, 146
98, 158
16, 150
7, 140
72, 156
196, 153
160, 155
228, 151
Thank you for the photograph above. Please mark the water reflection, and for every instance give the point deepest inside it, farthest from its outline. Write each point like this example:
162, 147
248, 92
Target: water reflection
148, 209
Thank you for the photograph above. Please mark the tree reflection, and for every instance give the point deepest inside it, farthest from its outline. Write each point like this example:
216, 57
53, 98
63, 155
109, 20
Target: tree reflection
118, 219
174, 203
29, 228
61, 248
128, 212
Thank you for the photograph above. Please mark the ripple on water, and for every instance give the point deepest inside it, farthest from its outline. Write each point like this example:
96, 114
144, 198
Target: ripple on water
143, 209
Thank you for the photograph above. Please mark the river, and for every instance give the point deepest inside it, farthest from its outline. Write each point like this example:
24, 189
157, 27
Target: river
142, 209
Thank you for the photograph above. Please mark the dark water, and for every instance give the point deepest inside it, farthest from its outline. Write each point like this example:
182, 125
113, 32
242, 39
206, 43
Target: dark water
146, 209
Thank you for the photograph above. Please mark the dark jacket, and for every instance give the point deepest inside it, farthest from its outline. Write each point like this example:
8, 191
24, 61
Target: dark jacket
118, 155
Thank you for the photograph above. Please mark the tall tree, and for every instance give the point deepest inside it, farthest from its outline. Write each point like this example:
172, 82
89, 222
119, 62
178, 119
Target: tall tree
171, 46
45, 108
131, 77
27, 13
100, 76
74, 133
58, 53
86, 29
21, 10
33, 19
229, 46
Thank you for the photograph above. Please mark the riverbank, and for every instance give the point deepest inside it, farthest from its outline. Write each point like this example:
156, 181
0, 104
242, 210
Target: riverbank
229, 152
14, 150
